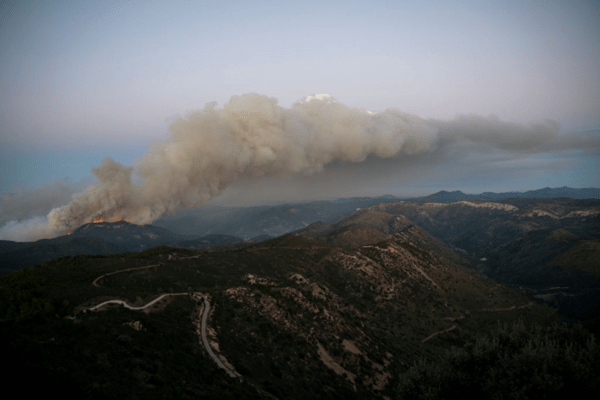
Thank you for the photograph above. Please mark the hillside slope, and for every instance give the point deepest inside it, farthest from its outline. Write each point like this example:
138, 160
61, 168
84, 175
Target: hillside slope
296, 318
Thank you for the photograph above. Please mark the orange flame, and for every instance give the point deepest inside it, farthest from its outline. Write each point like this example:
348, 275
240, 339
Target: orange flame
116, 219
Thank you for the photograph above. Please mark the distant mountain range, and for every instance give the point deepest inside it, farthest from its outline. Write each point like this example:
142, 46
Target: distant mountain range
249, 222
545, 193
274, 221
214, 225
99, 238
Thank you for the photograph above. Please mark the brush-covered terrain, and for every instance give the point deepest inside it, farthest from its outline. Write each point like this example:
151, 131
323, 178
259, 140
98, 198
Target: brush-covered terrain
370, 305
294, 317
546, 247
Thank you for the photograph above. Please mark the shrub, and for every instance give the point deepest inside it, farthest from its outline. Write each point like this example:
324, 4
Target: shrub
516, 362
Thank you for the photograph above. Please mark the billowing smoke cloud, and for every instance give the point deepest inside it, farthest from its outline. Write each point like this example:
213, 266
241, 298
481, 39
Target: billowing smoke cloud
24, 203
500, 134
210, 149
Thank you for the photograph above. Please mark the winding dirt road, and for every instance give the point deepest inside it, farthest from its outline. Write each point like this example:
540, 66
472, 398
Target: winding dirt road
207, 345
95, 283
195, 295
123, 303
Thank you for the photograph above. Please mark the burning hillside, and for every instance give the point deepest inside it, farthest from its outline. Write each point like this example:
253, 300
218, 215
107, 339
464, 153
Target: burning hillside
252, 135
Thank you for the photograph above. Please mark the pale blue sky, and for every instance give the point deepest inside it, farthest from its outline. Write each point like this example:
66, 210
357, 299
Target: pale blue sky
81, 80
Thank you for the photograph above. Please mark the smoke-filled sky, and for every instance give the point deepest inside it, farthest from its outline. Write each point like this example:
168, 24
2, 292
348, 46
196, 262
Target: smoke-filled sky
475, 96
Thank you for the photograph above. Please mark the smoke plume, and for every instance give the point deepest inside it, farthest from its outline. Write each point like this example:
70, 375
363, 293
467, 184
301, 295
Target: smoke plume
210, 149
25, 203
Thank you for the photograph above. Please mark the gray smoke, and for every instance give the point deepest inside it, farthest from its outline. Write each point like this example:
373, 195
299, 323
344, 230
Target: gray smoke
210, 149
24, 203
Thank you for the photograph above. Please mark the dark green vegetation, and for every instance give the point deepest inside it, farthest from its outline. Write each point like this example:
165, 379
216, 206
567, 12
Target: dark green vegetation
296, 318
514, 362
547, 247
338, 310
548, 253
102, 355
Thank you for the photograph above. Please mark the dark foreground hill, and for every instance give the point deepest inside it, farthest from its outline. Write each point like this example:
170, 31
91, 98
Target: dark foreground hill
341, 309
293, 317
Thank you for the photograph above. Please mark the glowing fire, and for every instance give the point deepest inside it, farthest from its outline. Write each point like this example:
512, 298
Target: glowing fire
117, 219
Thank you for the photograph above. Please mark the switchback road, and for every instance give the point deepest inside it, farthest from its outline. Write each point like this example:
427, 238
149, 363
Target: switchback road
198, 296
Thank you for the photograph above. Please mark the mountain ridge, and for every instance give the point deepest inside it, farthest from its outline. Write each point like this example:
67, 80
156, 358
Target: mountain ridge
100, 238
338, 309
444, 196
295, 317
249, 222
